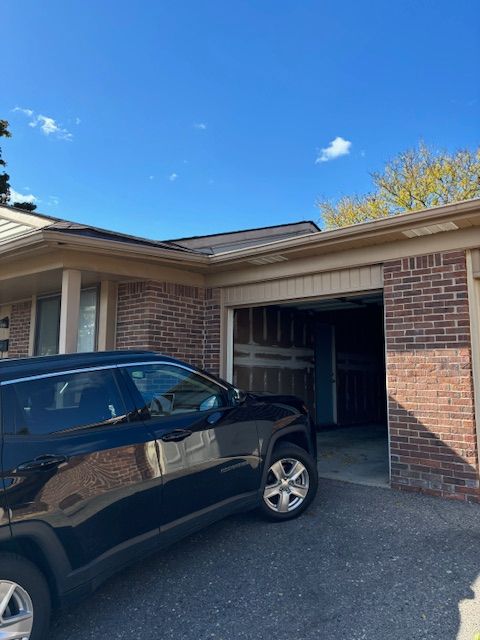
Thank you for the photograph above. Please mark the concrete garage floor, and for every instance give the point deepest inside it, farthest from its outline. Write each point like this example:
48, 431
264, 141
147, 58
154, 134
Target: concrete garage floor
362, 563
356, 454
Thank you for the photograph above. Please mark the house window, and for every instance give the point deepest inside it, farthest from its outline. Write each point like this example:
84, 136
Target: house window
48, 326
87, 320
48, 323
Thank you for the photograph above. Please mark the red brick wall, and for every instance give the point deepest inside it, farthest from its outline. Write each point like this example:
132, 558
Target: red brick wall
429, 376
19, 330
177, 320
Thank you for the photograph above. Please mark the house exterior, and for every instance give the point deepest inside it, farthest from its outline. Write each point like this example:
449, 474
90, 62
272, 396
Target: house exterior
376, 321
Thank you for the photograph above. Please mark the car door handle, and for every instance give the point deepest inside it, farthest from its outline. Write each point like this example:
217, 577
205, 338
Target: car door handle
42, 463
176, 435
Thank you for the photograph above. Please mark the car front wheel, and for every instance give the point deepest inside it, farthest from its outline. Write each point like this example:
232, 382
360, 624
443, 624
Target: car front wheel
24, 600
291, 483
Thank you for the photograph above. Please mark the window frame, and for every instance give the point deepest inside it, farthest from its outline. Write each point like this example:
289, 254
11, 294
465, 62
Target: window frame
40, 299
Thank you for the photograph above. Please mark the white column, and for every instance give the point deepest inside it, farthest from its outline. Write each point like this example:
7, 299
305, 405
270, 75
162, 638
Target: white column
107, 315
227, 343
473, 285
33, 326
69, 310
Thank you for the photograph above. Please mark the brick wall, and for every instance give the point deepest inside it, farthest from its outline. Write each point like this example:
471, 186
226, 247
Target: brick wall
177, 320
19, 330
429, 375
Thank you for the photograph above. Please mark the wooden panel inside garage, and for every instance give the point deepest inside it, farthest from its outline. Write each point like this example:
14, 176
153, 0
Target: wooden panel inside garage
273, 351
288, 349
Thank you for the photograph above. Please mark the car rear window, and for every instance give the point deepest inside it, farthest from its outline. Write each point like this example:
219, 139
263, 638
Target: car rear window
62, 402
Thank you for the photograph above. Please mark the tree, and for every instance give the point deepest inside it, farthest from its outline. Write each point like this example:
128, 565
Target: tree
26, 206
415, 179
4, 177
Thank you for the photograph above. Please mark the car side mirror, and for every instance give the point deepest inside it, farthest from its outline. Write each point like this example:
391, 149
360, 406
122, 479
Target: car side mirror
238, 396
209, 403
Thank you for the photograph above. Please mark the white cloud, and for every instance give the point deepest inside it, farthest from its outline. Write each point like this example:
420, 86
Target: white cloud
16, 196
53, 200
48, 125
172, 177
27, 112
151, 177
200, 125
77, 121
337, 147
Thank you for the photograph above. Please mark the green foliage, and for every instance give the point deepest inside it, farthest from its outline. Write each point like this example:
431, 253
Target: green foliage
26, 206
4, 177
415, 179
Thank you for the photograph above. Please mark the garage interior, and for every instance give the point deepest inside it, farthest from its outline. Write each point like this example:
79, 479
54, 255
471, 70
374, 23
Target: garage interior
331, 353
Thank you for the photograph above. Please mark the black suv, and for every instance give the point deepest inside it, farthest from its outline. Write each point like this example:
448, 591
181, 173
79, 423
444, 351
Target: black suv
108, 456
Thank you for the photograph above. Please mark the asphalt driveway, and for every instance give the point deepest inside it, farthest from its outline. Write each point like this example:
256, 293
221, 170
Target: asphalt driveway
363, 563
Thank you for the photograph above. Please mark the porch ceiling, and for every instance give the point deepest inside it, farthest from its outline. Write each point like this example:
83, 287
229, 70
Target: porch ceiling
22, 287
41, 283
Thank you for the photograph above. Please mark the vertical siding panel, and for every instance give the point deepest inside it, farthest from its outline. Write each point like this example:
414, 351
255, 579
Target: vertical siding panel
311, 285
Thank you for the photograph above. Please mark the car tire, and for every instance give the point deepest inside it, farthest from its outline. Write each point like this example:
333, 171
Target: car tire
290, 483
30, 590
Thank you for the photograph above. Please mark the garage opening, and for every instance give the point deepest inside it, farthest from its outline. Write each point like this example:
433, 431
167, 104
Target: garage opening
331, 353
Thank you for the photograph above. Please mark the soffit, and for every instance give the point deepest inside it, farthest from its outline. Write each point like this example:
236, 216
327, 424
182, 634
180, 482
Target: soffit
14, 224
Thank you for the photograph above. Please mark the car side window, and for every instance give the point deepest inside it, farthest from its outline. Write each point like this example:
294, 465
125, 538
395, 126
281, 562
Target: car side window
62, 402
169, 390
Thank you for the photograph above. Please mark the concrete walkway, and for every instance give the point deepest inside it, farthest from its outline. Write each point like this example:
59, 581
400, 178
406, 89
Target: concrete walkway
356, 454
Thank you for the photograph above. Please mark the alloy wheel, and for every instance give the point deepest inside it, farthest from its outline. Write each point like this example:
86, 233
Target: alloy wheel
287, 485
16, 612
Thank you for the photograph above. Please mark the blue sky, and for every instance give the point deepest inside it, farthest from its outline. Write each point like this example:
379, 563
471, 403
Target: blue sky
167, 118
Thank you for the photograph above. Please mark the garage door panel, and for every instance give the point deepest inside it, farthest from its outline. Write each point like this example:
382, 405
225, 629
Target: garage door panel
338, 282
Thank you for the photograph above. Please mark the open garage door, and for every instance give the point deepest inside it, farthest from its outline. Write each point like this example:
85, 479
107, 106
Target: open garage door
331, 353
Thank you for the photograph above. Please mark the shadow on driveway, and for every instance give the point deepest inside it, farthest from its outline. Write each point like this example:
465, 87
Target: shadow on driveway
362, 564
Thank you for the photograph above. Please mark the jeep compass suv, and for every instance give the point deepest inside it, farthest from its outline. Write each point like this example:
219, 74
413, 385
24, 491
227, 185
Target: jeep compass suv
106, 457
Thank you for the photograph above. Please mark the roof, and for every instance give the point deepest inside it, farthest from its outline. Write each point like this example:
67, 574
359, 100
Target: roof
22, 233
104, 234
16, 222
220, 242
